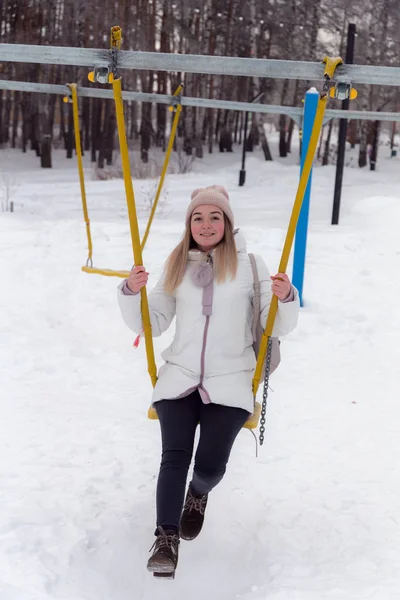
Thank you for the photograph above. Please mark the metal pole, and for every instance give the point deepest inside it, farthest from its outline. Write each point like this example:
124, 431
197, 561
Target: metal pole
310, 109
242, 173
351, 34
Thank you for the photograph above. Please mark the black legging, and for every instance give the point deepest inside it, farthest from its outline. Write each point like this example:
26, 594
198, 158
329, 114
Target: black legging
219, 426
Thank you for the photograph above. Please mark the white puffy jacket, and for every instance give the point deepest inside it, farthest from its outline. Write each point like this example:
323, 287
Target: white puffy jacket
214, 353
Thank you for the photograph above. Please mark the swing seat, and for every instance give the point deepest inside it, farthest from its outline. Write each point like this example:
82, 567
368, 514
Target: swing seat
106, 272
251, 423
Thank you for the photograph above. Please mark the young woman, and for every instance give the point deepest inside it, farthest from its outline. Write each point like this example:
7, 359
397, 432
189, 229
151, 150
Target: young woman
207, 284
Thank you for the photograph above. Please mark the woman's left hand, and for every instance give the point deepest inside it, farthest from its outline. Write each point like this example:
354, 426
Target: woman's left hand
281, 285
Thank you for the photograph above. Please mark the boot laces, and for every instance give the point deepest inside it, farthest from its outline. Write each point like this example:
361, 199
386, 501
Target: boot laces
197, 503
165, 540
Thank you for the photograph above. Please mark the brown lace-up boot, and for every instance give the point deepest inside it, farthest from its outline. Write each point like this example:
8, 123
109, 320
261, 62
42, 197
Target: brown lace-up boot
164, 560
193, 514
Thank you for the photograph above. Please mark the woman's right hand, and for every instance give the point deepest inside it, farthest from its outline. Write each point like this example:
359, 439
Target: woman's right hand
137, 279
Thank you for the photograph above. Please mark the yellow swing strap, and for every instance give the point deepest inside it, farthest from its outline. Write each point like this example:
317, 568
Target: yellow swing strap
133, 223
165, 166
89, 268
331, 64
78, 145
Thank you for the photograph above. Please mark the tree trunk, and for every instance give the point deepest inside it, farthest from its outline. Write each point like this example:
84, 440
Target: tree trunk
352, 133
52, 112
86, 123
110, 138
96, 123
290, 136
45, 151
7, 117
263, 138
363, 154
145, 132
63, 134
282, 136
325, 159
241, 125
103, 136
34, 126
254, 136
45, 132
70, 132
24, 111
15, 119
392, 138
212, 43
162, 82
321, 139
374, 149
265, 147
188, 139
134, 131
235, 138
282, 122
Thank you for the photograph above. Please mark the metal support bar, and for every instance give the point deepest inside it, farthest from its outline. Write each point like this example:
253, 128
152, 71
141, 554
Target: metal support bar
293, 111
22, 86
190, 63
367, 115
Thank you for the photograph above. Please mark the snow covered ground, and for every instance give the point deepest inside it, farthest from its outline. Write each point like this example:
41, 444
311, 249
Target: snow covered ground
316, 516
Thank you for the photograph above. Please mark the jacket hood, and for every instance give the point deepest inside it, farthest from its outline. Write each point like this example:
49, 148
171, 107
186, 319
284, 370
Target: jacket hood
240, 241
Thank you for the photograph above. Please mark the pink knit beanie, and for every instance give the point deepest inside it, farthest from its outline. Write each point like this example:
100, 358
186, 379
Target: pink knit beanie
214, 194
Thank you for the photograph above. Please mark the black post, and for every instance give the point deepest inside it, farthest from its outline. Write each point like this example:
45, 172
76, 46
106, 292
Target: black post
351, 34
242, 173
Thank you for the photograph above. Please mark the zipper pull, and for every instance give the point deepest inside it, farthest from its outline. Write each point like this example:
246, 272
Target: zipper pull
137, 340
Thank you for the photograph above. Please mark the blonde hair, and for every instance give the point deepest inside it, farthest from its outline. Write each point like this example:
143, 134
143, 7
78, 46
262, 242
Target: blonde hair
225, 258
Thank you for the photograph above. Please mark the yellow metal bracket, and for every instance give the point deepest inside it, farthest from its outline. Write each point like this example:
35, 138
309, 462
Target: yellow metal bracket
116, 37
177, 98
101, 74
330, 65
341, 90
106, 73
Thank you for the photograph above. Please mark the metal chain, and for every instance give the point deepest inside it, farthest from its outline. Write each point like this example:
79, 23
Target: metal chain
265, 391
326, 86
114, 61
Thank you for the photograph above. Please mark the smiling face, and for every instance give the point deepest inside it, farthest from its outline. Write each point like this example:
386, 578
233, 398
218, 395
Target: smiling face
207, 225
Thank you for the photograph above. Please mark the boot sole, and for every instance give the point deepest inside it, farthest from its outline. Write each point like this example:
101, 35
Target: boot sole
189, 539
162, 569
164, 575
